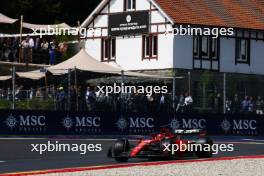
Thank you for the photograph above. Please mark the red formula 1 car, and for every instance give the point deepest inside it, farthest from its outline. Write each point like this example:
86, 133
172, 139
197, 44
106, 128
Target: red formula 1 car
166, 144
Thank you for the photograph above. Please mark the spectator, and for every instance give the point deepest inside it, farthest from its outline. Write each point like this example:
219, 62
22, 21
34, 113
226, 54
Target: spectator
150, 102
31, 93
259, 106
1, 48
90, 99
60, 98
251, 105
31, 46
245, 105
180, 104
52, 53
162, 103
25, 50
15, 46
39, 93
37, 44
228, 105
9, 94
61, 50
188, 101
235, 105
44, 45
7, 49
218, 103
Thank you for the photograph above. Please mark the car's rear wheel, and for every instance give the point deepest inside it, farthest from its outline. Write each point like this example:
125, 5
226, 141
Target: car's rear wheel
119, 148
163, 149
206, 150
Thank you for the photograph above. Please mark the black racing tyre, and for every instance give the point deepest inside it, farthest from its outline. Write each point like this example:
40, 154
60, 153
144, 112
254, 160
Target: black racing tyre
204, 153
120, 146
163, 150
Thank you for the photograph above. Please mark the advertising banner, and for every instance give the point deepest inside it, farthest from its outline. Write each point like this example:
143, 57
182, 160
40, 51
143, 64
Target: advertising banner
99, 123
129, 23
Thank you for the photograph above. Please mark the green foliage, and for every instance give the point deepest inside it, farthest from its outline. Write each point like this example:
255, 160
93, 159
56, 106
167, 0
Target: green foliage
34, 104
49, 11
205, 90
4, 104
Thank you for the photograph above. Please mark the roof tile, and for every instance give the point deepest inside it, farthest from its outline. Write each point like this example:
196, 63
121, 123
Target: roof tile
227, 13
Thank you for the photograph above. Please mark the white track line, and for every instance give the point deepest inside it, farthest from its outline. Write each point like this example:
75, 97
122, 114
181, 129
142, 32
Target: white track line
253, 140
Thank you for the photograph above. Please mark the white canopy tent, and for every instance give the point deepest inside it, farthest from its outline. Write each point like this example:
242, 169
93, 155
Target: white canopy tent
11, 27
6, 19
84, 62
45, 26
5, 78
34, 75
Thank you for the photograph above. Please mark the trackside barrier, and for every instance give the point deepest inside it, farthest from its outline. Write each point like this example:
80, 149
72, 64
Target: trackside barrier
97, 123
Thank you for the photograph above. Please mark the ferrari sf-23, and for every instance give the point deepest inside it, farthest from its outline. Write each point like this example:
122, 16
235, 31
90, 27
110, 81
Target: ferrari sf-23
162, 145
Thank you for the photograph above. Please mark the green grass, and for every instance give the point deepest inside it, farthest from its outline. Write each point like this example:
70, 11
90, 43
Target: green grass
34, 104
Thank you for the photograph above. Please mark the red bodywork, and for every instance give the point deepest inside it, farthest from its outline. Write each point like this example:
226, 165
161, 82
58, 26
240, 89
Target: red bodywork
156, 138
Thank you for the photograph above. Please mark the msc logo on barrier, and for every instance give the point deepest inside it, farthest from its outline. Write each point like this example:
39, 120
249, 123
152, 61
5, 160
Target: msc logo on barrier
82, 124
187, 123
136, 124
239, 126
26, 122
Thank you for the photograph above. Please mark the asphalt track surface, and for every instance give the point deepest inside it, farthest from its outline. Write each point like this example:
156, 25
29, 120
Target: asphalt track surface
16, 154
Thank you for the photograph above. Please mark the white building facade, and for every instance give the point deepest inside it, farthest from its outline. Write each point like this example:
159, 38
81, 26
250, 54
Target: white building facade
134, 35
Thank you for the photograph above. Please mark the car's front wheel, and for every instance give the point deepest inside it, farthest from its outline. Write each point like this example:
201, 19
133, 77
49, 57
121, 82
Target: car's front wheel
119, 148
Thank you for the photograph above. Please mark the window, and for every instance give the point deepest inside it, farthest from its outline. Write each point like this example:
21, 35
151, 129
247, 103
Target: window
195, 46
242, 50
129, 5
108, 49
214, 48
150, 47
205, 47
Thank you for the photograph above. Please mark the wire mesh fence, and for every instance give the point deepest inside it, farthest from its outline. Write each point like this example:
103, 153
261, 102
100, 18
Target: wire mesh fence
199, 92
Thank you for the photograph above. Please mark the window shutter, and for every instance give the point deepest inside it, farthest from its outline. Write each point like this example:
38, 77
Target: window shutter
237, 50
134, 4
143, 46
102, 50
125, 5
248, 51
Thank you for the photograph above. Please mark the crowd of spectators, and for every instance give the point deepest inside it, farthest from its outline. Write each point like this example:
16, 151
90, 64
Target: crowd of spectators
247, 105
237, 104
89, 99
32, 50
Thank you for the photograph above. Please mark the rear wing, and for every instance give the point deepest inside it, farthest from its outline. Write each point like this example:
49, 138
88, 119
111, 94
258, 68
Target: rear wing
192, 131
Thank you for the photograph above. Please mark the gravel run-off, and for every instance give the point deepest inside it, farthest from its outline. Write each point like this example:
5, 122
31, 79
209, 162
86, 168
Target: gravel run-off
236, 167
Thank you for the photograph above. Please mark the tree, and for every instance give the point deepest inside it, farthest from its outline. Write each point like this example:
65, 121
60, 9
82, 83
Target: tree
49, 11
